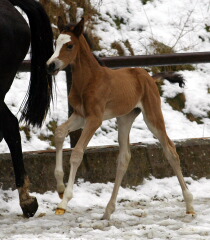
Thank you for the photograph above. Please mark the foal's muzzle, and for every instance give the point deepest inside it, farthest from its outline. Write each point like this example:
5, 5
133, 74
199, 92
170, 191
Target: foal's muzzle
51, 68
54, 66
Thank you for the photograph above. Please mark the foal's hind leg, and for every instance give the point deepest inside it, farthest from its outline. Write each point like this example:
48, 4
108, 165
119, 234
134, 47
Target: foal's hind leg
155, 122
124, 126
73, 123
10, 128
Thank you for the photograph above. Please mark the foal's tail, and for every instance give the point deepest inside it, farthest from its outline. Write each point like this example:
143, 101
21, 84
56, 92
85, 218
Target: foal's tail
37, 101
171, 77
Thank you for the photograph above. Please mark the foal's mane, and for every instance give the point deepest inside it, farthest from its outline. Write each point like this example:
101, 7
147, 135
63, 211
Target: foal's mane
70, 27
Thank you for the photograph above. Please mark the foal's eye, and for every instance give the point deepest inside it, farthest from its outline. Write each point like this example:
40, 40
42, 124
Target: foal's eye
70, 46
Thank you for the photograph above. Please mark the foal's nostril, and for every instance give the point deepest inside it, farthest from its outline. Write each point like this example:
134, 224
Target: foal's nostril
51, 67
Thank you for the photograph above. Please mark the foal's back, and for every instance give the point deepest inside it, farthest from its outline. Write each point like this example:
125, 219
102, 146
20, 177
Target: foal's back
128, 87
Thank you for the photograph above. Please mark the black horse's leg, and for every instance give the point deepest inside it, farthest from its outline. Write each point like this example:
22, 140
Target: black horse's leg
10, 129
1, 135
1, 111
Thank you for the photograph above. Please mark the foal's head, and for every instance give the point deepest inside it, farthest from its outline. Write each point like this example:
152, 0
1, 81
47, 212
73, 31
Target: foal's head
67, 45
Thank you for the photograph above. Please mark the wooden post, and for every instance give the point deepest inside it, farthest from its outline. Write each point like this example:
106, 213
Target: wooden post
74, 136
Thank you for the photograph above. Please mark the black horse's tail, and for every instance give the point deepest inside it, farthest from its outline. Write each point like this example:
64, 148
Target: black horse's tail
37, 101
171, 77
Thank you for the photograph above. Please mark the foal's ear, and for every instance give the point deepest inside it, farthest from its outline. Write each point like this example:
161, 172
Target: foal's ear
60, 24
78, 29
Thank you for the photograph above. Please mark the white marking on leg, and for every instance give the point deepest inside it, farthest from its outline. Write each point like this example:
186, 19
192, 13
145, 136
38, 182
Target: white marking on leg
75, 161
59, 171
188, 197
76, 157
73, 123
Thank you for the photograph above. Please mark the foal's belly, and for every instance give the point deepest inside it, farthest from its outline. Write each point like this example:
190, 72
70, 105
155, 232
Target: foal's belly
108, 114
119, 110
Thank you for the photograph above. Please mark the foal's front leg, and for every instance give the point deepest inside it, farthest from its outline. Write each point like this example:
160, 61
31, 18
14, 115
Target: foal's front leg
73, 123
90, 127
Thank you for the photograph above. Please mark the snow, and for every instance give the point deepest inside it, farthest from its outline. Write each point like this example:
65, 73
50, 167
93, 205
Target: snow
164, 21
154, 210
160, 20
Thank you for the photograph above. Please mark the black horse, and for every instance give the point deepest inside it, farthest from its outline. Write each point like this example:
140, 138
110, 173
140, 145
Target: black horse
15, 38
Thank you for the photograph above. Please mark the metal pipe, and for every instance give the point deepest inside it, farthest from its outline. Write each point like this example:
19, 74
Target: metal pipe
146, 60
157, 60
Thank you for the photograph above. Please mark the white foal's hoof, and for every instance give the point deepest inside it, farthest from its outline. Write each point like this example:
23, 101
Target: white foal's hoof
60, 211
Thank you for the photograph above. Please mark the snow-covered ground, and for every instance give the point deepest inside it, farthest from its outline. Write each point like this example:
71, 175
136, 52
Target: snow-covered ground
154, 210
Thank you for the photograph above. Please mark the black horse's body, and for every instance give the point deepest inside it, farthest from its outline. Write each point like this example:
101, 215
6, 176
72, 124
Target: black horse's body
15, 39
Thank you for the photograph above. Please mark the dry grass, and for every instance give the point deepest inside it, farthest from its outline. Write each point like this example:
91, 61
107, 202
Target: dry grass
52, 125
67, 9
129, 47
178, 102
119, 48
193, 118
26, 130
161, 48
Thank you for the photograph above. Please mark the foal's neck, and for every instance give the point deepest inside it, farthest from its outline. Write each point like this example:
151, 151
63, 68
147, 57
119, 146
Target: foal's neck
86, 66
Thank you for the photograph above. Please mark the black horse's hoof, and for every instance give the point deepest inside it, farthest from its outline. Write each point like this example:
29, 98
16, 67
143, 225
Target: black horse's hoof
29, 207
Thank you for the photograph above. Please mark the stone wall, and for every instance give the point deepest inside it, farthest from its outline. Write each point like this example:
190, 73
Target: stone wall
99, 164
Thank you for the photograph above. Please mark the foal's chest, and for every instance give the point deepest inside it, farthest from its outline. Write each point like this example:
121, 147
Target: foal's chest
76, 101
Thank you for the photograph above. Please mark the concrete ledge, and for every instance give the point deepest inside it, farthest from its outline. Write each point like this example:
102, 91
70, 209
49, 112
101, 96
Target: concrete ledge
99, 164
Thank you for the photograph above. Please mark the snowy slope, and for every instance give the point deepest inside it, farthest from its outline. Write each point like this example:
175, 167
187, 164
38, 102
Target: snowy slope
175, 23
180, 24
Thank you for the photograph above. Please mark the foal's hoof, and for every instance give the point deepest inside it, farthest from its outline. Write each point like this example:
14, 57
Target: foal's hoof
105, 217
193, 213
60, 195
29, 207
60, 211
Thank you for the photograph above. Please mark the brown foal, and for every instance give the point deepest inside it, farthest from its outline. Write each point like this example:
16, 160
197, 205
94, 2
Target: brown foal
99, 93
